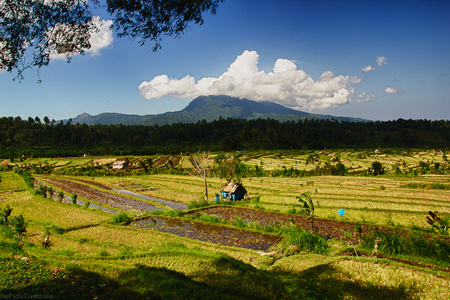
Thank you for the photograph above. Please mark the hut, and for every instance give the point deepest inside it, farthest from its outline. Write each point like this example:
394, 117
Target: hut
233, 191
121, 164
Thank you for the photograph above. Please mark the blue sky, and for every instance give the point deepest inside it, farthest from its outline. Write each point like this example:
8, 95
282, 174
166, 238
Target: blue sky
379, 60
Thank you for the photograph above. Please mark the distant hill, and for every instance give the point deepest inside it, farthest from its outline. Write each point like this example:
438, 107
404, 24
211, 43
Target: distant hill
209, 108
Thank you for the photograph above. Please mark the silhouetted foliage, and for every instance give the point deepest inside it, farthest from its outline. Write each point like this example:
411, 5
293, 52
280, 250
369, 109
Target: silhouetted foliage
65, 26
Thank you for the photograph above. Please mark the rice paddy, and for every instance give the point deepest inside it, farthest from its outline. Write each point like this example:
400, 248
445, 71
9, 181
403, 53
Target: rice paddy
110, 261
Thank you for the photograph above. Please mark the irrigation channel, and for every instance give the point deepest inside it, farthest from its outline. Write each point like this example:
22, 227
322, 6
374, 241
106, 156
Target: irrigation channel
103, 194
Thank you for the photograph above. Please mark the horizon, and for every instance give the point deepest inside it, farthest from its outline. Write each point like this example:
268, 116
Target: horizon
377, 61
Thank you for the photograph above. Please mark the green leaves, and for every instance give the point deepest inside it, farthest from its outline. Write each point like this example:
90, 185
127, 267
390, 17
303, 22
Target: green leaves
62, 27
308, 204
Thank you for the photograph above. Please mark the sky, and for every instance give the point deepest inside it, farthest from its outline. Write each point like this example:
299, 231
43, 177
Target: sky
377, 60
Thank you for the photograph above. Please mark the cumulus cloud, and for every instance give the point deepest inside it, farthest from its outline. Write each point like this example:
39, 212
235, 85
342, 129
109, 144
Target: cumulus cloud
381, 60
98, 40
368, 68
364, 97
390, 90
286, 85
101, 39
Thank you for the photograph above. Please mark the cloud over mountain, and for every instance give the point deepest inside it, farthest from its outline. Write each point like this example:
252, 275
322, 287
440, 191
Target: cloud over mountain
286, 85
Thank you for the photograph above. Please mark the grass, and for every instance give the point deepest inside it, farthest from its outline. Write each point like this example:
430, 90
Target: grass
89, 257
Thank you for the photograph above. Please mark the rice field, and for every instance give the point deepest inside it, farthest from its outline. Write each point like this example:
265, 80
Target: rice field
376, 199
133, 261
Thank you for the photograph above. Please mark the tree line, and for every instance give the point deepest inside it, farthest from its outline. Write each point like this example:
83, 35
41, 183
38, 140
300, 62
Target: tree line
33, 137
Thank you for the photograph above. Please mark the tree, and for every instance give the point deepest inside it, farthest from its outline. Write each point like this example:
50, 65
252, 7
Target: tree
200, 169
377, 168
65, 26
220, 167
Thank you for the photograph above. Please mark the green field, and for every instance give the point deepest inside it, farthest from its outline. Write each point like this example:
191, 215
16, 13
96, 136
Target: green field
92, 259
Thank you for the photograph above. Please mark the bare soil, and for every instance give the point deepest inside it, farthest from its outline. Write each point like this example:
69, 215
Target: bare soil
95, 195
160, 162
327, 228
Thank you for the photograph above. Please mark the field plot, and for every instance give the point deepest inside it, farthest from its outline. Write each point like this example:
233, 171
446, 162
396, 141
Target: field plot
372, 200
108, 261
354, 161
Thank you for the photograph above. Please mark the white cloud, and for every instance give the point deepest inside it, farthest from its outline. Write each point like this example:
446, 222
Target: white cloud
98, 40
364, 97
390, 90
101, 39
381, 60
285, 85
368, 68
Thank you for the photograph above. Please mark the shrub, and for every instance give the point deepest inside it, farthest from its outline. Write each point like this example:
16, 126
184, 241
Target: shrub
210, 218
119, 218
377, 168
308, 205
340, 169
239, 222
41, 190
46, 243
304, 240
412, 244
5, 213
198, 203
74, 198
50, 191
60, 196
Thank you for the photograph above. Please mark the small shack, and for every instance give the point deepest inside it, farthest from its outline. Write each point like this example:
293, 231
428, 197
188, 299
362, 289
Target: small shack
121, 164
233, 191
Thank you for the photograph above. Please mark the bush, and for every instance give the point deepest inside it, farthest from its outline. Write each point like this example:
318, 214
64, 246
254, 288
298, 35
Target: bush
412, 244
5, 213
41, 190
60, 196
74, 198
210, 219
50, 191
119, 218
239, 222
304, 240
198, 203
377, 168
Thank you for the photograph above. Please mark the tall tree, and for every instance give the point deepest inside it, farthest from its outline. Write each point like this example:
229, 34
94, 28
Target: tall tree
200, 169
65, 26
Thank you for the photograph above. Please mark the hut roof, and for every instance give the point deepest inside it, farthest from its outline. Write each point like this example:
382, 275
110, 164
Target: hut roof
121, 159
231, 187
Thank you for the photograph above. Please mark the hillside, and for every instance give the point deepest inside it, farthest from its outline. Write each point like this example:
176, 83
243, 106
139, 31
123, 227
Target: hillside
209, 108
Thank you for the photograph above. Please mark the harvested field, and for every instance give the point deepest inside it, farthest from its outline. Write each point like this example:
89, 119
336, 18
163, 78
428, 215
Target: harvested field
92, 194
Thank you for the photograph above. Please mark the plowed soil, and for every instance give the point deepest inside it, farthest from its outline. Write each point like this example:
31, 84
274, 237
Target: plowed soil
327, 228
95, 195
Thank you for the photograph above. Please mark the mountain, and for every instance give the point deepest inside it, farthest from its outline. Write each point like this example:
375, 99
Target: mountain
209, 108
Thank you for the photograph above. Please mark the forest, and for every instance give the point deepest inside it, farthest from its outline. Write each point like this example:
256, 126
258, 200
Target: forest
36, 138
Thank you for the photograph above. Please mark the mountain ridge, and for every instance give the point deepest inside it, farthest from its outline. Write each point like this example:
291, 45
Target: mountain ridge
209, 108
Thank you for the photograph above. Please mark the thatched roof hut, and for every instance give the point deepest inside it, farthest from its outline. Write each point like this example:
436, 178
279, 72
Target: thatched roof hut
233, 191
